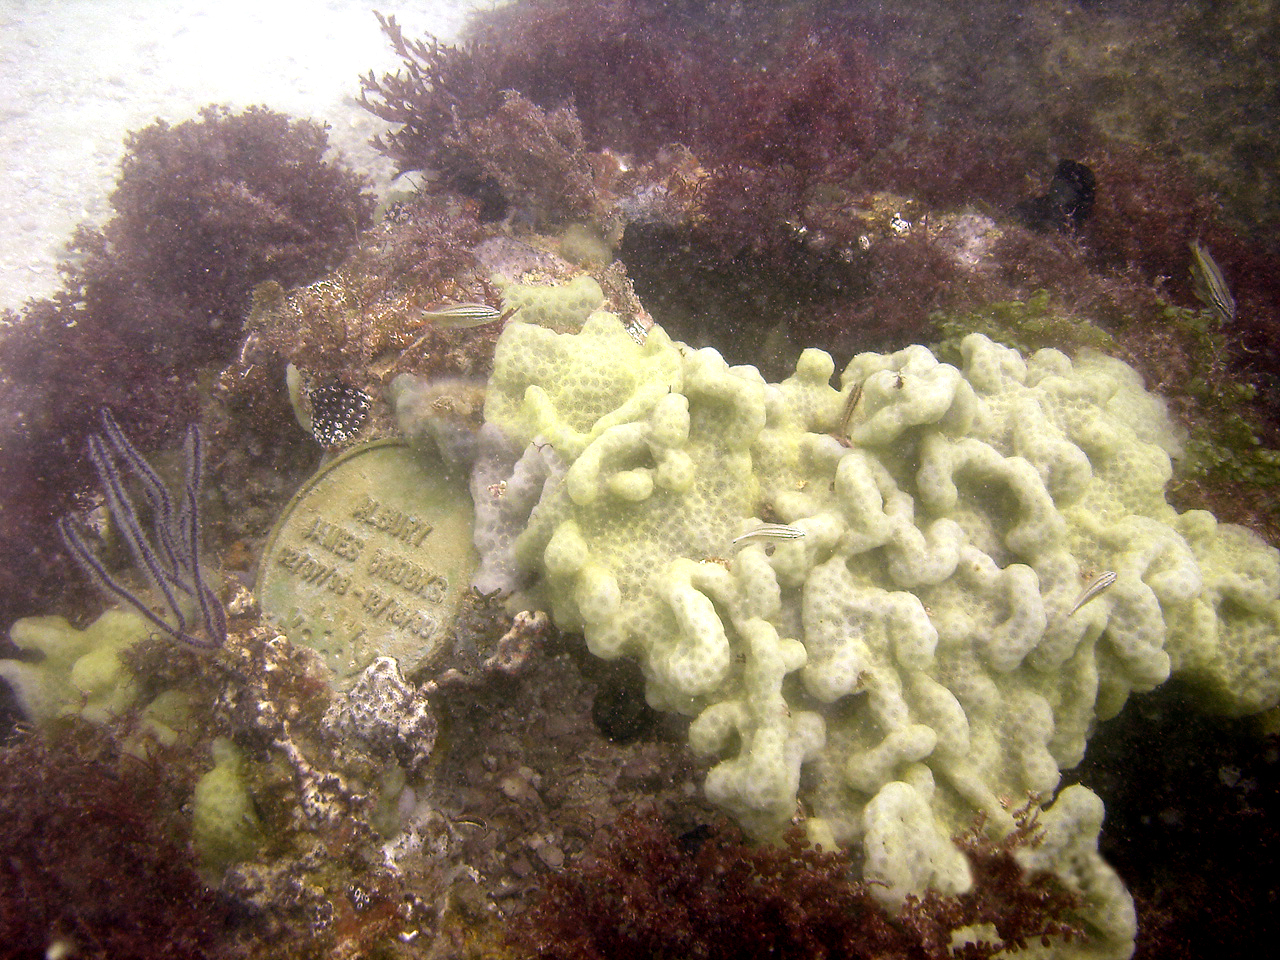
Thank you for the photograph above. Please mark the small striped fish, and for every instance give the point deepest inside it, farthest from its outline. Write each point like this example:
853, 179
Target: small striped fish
846, 412
462, 316
1211, 285
770, 531
1100, 583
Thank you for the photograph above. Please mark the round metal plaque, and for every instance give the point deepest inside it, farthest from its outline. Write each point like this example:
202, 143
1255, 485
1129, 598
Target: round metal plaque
371, 558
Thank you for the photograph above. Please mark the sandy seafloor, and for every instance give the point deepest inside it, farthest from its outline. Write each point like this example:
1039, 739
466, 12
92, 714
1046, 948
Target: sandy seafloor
77, 75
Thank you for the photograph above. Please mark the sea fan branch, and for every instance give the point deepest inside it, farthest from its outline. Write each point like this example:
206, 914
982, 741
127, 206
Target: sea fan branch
171, 556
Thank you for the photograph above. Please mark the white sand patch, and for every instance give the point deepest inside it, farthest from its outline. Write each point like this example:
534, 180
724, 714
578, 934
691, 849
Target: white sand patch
77, 75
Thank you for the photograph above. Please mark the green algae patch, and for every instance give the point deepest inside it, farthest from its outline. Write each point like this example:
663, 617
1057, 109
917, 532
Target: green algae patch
1025, 325
371, 558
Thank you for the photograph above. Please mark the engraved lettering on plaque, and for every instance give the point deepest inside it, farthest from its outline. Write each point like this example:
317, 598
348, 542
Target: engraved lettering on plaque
371, 559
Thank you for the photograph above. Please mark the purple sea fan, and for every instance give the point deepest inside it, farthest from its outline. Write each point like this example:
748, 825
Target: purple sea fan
170, 557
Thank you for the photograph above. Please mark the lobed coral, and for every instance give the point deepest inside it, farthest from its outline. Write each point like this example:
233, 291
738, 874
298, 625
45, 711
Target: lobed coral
923, 645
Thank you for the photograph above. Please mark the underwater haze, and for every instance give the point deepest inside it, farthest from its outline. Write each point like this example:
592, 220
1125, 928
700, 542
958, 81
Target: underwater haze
610, 479
78, 76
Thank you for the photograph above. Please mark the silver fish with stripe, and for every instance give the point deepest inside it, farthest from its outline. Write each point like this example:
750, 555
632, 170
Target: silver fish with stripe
769, 531
1100, 583
462, 316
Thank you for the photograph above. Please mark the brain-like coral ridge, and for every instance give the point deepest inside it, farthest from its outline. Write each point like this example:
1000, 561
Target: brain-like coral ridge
920, 654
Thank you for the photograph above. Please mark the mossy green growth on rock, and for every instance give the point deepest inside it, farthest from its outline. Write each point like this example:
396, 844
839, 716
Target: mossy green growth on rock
1026, 325
80, 671
1224, 445
921, 652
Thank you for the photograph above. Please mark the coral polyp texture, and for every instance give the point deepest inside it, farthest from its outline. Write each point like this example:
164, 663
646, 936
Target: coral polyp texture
935, 629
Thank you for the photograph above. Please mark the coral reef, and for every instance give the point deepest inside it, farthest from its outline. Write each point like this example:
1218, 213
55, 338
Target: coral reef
536, 157
362, 323
1045, 76
281, 819
821, 113
553, 54
1118, 61
909, 597
1203, 869
388, 714
207, 209
1026, 326
878, 609
809, 112
375, 325
526, 783
825, 198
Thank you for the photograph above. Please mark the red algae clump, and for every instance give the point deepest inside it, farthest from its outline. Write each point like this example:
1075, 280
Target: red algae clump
95, 858
646, 892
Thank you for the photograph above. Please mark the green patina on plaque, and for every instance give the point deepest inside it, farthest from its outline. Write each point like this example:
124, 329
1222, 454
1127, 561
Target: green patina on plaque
371, 558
